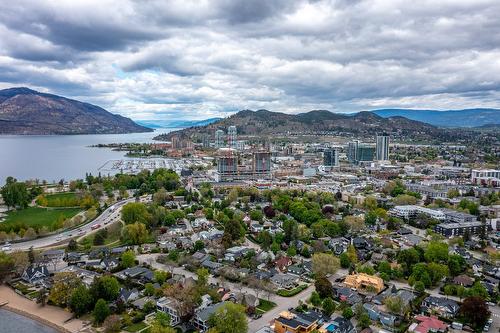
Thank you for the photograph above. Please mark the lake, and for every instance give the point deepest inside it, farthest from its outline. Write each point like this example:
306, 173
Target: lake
12, 322
55, 157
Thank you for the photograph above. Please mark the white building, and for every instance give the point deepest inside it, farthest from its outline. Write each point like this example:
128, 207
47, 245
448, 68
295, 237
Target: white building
411, 211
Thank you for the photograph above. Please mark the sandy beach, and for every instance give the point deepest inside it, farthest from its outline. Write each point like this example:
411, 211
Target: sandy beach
49, 315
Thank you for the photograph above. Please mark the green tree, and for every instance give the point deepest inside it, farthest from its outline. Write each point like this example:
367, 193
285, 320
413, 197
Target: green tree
436, 252
324, 264
101, 311
229, 318
135, 233
62, 288
15, 194
364, 320
81, 300
128, 259
160, 277
323, 287
315, 299
345, 262
347, 313
134, 212
328, 306
7, 265
478, 290
106, 287
419, 286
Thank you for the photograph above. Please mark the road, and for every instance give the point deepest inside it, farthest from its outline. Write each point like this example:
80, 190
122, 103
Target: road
109, 216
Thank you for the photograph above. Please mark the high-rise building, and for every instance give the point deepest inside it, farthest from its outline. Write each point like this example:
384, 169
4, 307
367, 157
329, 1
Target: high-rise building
262, 162
352, 151
206, 141
331, 157
365, 153
232, 137
360, 152
382, 142
219, 138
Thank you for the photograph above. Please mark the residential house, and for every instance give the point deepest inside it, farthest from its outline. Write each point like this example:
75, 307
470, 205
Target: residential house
297, 322
338, 325
347, 295
282, 263
285, 281
171, 307
35, 274
463, 280
426, 324
201, 316
444, 307
128, 295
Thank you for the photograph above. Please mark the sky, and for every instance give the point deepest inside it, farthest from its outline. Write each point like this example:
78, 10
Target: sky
184, 59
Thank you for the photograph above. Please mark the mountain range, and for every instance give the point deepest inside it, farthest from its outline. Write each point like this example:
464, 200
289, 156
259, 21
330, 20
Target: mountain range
29, 112
450, 118
267, 123
176, 123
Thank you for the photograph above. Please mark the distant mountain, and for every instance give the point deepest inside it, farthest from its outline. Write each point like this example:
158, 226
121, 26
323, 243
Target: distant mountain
176, 123
451, 118
25, 111
267, 123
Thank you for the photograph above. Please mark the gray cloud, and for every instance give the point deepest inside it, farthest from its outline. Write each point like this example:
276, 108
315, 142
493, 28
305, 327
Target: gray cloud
197, 59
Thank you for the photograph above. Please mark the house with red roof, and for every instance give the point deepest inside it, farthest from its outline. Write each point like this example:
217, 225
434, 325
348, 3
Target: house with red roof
426, 324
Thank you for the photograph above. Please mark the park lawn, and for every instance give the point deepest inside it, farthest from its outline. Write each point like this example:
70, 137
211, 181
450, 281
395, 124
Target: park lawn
292, 292
136, 327
37, 217
66, 199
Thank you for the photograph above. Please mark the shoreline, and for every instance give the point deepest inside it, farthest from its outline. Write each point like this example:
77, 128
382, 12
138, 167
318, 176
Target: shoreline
33, 317
48, 315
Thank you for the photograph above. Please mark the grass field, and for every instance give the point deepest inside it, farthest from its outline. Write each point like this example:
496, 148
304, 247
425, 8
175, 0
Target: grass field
36, 218
68, 199
265, 305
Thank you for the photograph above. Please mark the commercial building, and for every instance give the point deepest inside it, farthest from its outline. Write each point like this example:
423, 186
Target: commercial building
363, 281
382, 142
460, 228
219, 138
330, 158
486, 177
232, 137
360, 152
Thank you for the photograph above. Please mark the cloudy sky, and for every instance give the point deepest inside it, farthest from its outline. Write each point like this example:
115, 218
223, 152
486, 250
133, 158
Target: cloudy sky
183, 59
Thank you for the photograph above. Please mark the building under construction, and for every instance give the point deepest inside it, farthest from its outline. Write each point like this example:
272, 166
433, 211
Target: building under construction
230, 167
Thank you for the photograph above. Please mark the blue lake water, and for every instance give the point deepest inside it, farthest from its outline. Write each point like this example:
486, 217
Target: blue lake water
12, 322
55, 157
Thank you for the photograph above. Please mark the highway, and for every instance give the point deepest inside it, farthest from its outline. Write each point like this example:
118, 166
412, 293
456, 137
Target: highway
109, 216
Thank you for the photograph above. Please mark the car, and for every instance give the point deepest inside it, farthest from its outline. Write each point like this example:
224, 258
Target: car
81, 232
58, 238
486, 328
94, 227
106, 222
6, 247
70, 235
